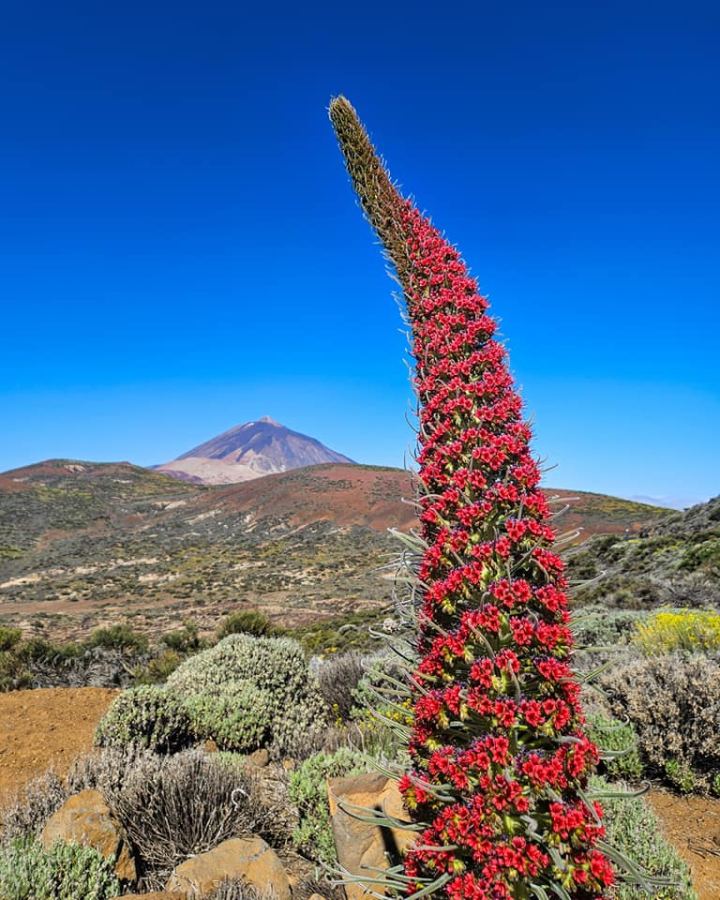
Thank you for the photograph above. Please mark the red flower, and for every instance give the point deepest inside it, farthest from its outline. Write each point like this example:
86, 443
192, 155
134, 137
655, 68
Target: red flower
497, 693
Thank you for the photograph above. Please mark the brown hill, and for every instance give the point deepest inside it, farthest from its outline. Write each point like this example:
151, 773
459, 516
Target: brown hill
83, 544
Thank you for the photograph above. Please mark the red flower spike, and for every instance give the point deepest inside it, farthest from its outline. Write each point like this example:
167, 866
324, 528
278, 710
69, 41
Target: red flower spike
502, 731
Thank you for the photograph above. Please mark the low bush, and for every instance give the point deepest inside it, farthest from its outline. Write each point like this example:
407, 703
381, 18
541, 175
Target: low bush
338, 679
596, 626
673, 701
9, 637
118, 637
679, 629
65, 872
174, 807
14, 674
616, 737
308, 791
238, 718
276, 666
248, 621
633, 829
26, 816
149, 717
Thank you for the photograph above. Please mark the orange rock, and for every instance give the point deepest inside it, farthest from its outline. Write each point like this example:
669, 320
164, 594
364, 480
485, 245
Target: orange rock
361, 845
248, 858
85, 819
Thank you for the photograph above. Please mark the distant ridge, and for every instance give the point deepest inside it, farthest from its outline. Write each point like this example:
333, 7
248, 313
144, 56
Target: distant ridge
248, 451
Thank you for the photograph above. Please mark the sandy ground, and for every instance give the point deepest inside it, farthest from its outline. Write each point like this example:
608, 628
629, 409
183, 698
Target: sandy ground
46, 728
692, 824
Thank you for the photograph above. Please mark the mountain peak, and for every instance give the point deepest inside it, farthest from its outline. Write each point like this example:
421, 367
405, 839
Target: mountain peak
250, 450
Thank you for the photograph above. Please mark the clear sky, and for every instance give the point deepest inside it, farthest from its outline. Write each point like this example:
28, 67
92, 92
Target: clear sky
180, 249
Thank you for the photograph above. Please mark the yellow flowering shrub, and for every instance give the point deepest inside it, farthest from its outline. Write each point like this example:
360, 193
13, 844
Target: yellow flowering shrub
679, 629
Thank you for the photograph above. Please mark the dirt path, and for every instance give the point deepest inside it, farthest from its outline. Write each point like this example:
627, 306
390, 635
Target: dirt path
43, 728
692, 824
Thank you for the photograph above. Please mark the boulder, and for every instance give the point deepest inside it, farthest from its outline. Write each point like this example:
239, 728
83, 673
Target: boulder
85, 819
360, 844
248, 858
259, 759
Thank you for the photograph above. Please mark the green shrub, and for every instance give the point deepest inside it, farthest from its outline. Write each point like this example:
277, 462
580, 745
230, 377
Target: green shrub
673, 701
149, 717
157, 669
277, 666
596, 626
611, 734
65, 872
118, 637
238, 719
681, 776
308, 791
184, 640
9, 637
246, 622
633, 829
14, 674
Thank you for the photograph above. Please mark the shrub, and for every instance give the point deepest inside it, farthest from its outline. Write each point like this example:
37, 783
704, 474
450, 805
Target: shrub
157, 669
177, 806
118, 637
679, 629
246, 622
33, 806
633, 828
338, 679
147, 716
674, 703
308, 791
596, 626
681, 776
9, 637
276, 666
611, 734
238, 719
184, 640
65, 872
14, 674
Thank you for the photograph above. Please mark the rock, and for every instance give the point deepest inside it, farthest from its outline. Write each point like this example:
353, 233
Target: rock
316, 897
85, 819
359, 844
248, 858
260, 758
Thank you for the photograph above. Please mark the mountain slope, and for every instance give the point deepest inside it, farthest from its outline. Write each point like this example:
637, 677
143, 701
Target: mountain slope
675, 561
250, 451
83, 544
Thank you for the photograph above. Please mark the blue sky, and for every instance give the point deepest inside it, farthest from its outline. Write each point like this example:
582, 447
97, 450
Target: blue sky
180, 250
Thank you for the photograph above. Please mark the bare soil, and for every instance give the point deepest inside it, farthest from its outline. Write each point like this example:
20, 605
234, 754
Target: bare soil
692, 824
46, 728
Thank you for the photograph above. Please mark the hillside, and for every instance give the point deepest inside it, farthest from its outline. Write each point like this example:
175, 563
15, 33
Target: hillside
250, 451
675, 561
83, 544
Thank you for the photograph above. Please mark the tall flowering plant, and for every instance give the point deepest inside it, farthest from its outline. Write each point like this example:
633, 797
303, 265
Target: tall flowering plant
499, 758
